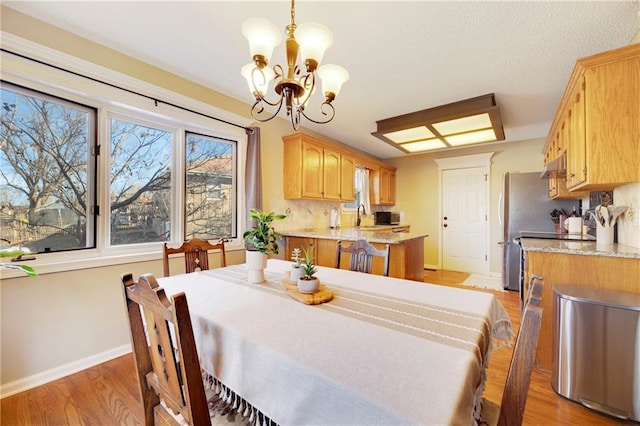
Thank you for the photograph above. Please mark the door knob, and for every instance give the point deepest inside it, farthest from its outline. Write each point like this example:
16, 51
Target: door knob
445, 218
445, 225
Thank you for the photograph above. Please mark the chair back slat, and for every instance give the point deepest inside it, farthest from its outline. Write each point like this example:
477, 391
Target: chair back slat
196, 254
164, 350
361, 255
514, 397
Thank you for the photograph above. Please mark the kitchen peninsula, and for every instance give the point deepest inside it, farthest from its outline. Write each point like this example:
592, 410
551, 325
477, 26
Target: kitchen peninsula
406, 258
584, 263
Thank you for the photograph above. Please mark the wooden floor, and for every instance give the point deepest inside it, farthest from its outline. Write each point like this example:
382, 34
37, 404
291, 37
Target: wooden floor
107, 394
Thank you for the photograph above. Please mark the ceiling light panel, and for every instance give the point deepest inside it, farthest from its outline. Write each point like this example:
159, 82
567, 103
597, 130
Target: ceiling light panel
470, 121
427, 145
413, 134
464, 124
470, 138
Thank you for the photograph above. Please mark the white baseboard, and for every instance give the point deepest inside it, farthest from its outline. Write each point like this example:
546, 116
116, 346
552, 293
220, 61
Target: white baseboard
32, 381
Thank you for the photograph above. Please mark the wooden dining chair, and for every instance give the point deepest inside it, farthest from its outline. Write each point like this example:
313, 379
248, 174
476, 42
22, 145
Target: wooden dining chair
165, 355
361, 256
514, 397
196, 254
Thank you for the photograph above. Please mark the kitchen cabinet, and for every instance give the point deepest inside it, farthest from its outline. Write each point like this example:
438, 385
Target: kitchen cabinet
601, 272
598, 121
302, 243
406, 254
316, 170
383, 186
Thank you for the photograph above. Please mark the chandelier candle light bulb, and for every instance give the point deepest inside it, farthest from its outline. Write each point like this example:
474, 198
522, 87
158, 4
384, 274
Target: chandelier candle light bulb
295, 87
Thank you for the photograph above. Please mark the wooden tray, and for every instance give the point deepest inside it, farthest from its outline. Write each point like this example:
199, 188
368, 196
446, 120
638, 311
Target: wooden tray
323, 294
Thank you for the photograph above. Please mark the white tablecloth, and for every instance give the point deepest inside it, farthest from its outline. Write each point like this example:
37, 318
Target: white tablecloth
384, 351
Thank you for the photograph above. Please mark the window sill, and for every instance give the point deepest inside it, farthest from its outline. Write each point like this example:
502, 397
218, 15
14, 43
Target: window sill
54, 263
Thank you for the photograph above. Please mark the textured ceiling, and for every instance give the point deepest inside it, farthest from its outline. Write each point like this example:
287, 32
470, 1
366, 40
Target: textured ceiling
402, 56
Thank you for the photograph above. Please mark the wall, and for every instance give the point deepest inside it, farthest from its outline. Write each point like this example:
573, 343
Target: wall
419, 194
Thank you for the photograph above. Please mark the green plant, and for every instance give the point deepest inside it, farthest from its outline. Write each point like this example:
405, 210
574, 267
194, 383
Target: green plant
295, 256
14, 252
262, 237
308, 267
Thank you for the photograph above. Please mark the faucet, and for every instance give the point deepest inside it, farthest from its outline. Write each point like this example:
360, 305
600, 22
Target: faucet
358, 214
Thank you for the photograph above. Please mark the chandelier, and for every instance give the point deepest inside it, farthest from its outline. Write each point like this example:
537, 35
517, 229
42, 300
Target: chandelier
293, 87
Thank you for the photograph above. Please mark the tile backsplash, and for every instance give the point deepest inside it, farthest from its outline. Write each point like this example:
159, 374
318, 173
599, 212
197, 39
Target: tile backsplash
303, 214
629, 223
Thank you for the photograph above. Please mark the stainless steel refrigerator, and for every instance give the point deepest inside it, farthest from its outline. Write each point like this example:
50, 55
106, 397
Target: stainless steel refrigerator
525, 206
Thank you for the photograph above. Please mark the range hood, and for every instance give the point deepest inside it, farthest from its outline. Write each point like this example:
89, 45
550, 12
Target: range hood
556, 168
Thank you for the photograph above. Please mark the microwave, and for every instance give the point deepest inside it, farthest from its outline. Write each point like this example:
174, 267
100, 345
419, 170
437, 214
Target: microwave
387, 218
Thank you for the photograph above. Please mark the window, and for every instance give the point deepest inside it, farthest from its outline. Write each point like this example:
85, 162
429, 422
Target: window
46, 171
361, 185
210, 198
165, 177
140, 183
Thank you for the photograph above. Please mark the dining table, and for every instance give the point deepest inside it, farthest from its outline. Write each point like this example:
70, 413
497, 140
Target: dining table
381, 351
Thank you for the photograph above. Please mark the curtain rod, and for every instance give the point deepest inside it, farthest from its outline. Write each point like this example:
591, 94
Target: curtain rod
155, 100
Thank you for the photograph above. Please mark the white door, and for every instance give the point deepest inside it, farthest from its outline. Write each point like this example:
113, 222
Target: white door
464, 222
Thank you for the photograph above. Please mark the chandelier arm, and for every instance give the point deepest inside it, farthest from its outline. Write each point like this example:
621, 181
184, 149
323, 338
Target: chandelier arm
308, 88
256, 115
330, 114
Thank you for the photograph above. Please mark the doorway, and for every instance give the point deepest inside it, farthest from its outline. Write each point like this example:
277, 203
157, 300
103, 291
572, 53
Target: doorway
464, 213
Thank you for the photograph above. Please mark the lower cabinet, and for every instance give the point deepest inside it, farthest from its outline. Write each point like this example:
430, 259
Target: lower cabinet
302, 243
601, 272
406, 258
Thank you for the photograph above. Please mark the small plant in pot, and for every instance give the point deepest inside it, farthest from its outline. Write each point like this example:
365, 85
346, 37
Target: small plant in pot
260, 240
296, 268
307, 283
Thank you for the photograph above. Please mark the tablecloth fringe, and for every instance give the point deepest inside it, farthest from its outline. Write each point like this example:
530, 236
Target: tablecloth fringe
225, 402
503, 333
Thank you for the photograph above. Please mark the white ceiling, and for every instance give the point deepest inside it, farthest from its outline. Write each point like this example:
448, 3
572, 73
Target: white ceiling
402, 56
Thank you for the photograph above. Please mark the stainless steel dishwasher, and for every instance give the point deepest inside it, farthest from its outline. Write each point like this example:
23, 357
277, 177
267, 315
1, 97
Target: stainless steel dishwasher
597, 349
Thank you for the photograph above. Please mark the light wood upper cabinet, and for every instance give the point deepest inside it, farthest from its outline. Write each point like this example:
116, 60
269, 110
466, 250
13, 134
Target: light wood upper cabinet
348, 168
383, 186
316, 170
312, 170
332, 174
601, 105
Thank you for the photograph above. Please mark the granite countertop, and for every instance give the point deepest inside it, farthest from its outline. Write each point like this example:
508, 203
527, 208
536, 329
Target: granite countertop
373, 234
584, 248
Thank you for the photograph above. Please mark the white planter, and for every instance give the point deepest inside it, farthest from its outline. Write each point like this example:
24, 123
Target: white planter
296, 273
308, 286
256, 262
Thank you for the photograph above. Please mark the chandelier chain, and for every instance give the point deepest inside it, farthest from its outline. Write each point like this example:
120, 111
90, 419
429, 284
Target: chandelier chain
293, 12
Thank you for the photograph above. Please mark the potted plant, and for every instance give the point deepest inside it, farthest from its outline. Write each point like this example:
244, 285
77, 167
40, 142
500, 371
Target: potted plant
307, 283
296, 268
260, 240
17, 253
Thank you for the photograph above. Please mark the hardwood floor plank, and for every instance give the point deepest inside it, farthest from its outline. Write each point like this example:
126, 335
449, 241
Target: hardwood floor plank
108, 394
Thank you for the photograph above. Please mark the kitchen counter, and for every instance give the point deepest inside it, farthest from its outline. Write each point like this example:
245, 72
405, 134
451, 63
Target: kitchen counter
582, 263
579, 247
406, 249
374, 234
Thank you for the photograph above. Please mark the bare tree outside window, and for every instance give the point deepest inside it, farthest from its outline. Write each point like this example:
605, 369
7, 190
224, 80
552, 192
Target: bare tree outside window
210, 197
140, 183
49, 177
45, 164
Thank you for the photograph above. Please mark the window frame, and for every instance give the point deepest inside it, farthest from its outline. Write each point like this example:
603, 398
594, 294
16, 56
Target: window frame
110, 100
